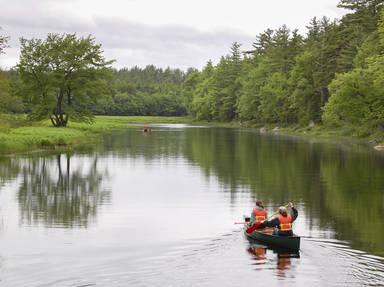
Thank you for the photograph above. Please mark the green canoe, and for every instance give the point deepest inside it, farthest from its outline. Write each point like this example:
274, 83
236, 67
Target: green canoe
265, 236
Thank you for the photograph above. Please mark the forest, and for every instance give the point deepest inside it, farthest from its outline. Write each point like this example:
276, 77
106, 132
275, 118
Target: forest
332, 76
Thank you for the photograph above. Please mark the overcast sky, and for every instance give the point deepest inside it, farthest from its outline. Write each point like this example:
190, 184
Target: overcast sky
175, 33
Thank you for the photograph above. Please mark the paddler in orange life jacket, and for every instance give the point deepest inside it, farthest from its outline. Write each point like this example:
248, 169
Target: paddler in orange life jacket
259, 214
284, 221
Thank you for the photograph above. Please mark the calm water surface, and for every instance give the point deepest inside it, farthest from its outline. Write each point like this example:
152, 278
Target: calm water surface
159, 210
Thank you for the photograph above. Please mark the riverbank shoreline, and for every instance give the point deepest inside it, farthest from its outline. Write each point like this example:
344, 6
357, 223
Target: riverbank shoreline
19, 136
313, 131
345, 134
42, 136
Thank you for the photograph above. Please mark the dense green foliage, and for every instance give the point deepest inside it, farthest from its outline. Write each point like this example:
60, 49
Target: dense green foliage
333, 75
150, 92
9, 102
60, 76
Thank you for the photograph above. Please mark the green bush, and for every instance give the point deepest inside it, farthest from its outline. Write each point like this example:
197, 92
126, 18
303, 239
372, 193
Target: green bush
45, 143
362, 132
61, 142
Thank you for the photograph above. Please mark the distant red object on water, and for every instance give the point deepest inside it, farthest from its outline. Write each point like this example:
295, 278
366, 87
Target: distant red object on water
146, 129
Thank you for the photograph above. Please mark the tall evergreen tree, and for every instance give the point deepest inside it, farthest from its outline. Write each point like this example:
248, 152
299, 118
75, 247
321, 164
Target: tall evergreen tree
263, 42
228, 84
3, 42
372, 5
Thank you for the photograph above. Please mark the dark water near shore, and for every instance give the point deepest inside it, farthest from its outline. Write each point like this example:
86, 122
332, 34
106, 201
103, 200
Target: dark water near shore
159, 210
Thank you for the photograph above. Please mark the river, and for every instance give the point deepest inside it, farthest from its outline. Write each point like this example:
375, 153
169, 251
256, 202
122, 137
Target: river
158, 209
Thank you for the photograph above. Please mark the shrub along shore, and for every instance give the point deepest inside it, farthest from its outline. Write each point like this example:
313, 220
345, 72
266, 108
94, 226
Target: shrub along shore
20, 136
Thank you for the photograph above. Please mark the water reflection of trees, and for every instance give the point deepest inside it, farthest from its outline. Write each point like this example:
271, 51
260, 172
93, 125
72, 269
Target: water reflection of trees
342, 188
354, 196
55, 193
272, 169
9, 169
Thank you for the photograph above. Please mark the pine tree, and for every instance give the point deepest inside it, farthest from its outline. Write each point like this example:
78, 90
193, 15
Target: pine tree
263, 42
372, 5
3, 43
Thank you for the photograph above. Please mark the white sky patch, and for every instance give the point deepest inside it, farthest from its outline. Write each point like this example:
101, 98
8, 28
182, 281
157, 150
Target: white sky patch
165, 33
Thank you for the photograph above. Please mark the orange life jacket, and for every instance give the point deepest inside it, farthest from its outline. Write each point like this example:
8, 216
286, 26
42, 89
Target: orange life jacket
260, 215
285, 223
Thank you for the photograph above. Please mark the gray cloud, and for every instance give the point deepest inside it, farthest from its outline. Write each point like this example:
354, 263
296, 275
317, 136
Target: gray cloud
119, 33
132, 43
41, 14
168, 45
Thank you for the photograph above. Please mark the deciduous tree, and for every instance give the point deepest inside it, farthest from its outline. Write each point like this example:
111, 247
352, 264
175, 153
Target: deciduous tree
62, 77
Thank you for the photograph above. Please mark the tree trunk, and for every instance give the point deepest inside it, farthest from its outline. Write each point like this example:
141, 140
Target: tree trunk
324, 95
59, 117
59, 120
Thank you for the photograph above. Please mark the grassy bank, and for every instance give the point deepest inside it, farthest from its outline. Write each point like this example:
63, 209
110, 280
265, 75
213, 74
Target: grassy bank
349, 132
344, 133
18, 135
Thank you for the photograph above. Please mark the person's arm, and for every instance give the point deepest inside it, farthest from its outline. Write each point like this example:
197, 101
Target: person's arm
271, 223
294, 212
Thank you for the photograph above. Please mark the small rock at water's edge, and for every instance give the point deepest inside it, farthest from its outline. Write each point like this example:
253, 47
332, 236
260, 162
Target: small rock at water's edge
379, 147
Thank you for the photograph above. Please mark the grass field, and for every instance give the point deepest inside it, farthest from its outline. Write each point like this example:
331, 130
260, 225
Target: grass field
18, 135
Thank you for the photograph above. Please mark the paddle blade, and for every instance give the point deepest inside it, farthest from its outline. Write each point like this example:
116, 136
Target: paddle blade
253, 228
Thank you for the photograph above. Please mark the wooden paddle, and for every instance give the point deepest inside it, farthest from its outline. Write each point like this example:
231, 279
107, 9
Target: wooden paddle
273, 215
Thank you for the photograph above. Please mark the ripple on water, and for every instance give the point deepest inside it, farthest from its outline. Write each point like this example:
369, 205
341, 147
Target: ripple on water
344, 265
226, 260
